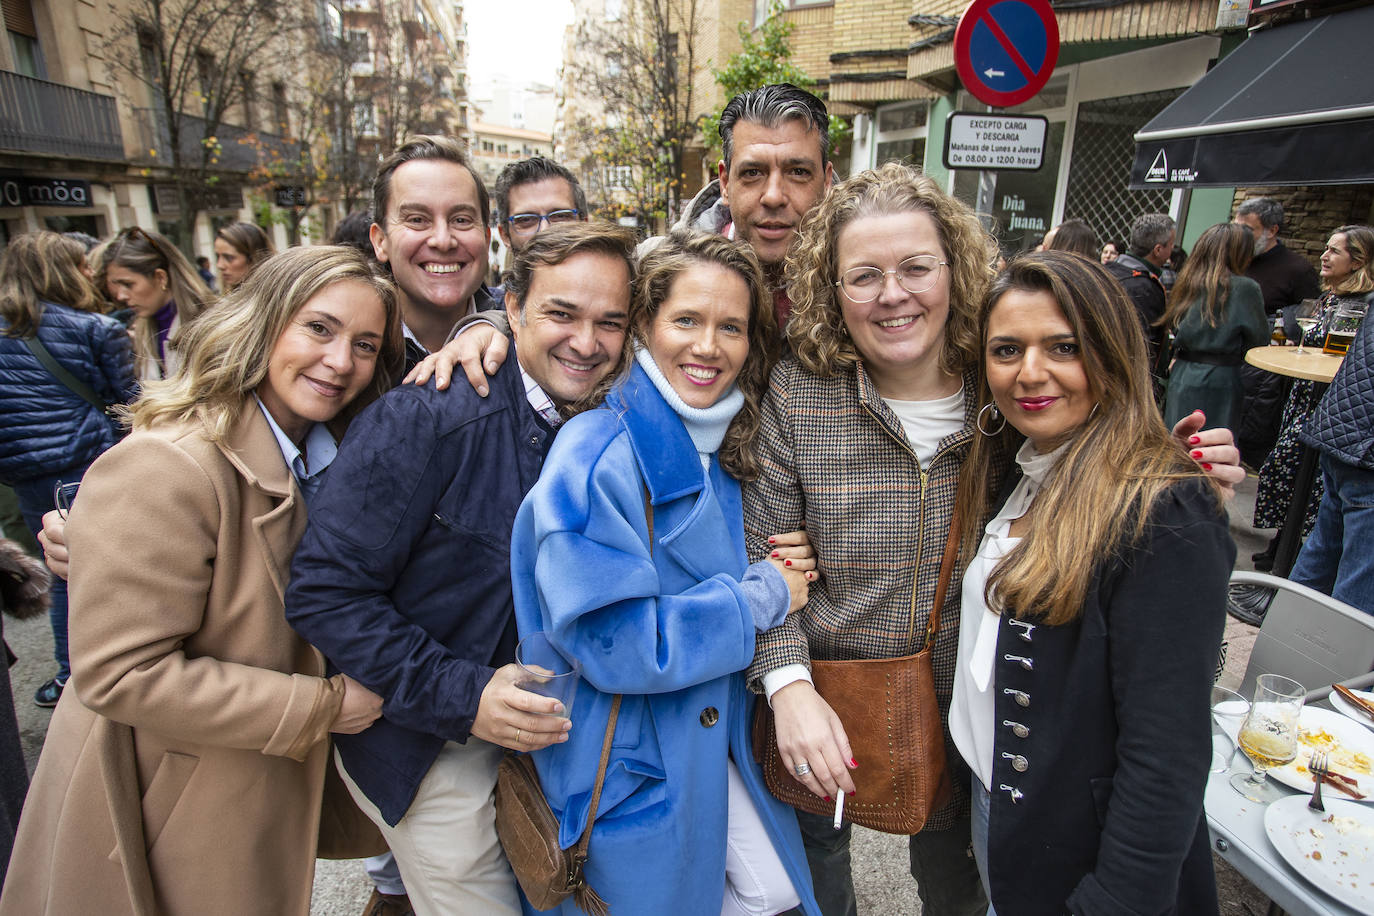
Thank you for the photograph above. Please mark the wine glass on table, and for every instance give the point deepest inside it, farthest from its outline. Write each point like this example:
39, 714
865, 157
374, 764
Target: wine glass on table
1308, 316
1269, 735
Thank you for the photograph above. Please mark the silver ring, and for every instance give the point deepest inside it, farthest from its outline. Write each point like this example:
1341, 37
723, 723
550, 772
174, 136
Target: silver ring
802, 768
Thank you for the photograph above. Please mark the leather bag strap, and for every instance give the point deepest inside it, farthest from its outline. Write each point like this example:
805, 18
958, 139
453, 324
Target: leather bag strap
586, 838
946, 570
69, 381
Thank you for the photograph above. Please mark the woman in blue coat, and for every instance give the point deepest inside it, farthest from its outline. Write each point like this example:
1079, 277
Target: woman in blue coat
685, 824
49, 433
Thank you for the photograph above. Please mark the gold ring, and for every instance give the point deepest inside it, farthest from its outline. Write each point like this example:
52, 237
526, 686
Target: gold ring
517, 737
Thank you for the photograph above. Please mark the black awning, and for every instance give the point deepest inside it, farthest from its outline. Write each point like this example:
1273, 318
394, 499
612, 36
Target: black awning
1293, 105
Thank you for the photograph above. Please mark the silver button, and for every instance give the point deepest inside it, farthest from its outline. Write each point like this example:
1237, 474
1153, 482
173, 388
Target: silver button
1022, 698
1016, 794
534, 440
1028, 627
1027, 663
1017, 729
1018, 763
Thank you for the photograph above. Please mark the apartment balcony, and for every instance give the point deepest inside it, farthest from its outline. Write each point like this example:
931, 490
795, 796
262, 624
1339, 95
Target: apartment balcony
37, 116
239, 149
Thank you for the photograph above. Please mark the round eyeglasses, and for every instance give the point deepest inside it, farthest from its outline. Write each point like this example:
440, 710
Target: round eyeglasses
915, 275
525, 223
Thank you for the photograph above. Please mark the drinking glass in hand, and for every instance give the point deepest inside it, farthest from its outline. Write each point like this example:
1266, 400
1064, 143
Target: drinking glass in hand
546, 672
1269, 736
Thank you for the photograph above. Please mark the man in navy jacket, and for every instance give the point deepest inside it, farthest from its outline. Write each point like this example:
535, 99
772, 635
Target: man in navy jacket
403, 576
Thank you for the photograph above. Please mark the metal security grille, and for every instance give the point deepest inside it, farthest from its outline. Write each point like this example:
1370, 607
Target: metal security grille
1103, 150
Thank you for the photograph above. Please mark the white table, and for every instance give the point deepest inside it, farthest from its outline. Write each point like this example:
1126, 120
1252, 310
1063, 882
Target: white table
1236, 825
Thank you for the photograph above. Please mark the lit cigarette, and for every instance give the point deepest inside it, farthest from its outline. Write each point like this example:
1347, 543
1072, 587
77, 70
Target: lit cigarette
839, 810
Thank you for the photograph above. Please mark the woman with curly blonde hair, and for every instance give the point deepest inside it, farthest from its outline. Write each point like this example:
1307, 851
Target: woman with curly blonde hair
864, 432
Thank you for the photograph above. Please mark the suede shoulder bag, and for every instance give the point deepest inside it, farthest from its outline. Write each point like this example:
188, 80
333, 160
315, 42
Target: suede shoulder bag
528, 831
892, 718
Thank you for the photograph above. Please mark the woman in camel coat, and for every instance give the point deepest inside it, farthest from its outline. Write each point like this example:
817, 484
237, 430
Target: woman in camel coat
191, 779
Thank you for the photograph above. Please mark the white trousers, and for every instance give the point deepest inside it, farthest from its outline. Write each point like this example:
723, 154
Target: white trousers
756, 884
446, 846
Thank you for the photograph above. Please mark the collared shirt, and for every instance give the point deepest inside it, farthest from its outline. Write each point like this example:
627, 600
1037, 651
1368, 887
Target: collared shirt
540, 401
308, 468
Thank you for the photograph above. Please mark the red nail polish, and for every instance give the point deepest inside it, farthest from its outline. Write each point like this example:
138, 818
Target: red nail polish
854, 763
827, 798
775, 554
786, 562
1194, 440
852, 794
1206, 466
772, 540
1196, 454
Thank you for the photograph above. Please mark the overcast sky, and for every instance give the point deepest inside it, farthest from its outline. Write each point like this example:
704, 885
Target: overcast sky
521, 38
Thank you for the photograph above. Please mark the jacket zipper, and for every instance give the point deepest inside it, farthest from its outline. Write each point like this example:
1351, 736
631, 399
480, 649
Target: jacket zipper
924, 476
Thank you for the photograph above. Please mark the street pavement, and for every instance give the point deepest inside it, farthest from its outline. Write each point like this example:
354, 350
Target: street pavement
881, 876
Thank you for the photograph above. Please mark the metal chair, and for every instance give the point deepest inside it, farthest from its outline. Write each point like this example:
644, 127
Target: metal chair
1310, 637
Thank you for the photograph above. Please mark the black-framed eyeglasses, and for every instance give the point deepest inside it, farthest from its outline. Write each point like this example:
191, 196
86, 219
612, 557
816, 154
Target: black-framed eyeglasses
915, 275
527, 223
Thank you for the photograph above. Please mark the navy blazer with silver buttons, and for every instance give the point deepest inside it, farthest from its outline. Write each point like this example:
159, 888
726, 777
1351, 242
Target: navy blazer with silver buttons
1103, 739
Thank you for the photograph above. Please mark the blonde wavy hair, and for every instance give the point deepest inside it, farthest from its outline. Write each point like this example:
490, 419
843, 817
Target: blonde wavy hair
1360, 241
39, 267
145, 252
659, 270
1097, 500
816, 330
226, 355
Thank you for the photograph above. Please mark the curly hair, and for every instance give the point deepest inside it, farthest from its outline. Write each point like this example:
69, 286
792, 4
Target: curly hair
660, 269
816, 331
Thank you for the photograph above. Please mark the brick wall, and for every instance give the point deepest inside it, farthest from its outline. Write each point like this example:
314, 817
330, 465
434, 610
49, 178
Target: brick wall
1311, 213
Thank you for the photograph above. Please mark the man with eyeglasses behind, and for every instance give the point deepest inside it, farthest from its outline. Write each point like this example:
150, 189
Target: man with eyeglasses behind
532, 195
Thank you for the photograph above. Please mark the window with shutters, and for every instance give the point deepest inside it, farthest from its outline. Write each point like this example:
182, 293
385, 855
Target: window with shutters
23, 34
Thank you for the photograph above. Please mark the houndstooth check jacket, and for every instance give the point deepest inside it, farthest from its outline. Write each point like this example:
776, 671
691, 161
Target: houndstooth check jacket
836, 460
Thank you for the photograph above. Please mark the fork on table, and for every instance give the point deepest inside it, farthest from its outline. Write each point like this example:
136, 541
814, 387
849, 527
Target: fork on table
1317, 766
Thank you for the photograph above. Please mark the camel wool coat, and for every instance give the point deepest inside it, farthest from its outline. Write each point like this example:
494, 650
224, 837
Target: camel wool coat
190, 781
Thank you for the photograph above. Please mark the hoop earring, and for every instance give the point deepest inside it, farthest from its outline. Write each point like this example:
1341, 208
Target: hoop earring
996, 415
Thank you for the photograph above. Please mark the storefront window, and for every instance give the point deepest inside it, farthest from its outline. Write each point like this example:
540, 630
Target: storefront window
1022, 203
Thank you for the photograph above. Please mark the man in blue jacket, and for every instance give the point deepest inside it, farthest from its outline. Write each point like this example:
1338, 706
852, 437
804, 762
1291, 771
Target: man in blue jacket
403, 576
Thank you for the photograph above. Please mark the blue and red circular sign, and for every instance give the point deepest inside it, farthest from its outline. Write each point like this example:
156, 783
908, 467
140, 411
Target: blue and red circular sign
1005, 50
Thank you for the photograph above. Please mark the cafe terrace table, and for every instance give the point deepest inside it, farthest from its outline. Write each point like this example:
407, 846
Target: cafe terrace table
1236, 825
1315, 366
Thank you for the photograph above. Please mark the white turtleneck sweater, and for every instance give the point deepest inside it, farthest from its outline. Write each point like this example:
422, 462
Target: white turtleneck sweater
763, 586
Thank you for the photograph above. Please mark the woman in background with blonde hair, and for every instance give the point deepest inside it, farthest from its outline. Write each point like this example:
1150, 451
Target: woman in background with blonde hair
147, 273
1216, 314
50, 432
188, 773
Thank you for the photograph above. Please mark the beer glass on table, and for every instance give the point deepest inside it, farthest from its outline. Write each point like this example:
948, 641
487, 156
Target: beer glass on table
1269, 735
1345, 321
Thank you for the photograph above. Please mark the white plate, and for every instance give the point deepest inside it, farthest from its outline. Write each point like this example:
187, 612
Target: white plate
1335, 850
1351, 737
1351, 710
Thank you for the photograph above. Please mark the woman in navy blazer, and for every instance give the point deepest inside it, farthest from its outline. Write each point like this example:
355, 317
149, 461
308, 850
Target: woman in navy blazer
685, 824
1092, 613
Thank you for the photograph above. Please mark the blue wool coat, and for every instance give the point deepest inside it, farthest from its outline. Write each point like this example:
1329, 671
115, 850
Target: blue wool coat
670, 630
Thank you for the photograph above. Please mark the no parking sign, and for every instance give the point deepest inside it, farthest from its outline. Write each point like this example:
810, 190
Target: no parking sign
1005, 50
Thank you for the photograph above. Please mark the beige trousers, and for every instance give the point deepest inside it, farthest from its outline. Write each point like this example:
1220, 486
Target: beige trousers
446, 846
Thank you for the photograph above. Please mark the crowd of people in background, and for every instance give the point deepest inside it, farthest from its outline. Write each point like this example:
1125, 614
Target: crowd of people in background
819, 419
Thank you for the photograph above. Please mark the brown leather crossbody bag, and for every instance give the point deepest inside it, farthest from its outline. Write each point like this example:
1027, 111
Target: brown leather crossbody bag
892, 718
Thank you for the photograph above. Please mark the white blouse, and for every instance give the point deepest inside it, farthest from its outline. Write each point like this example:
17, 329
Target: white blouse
971, 718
